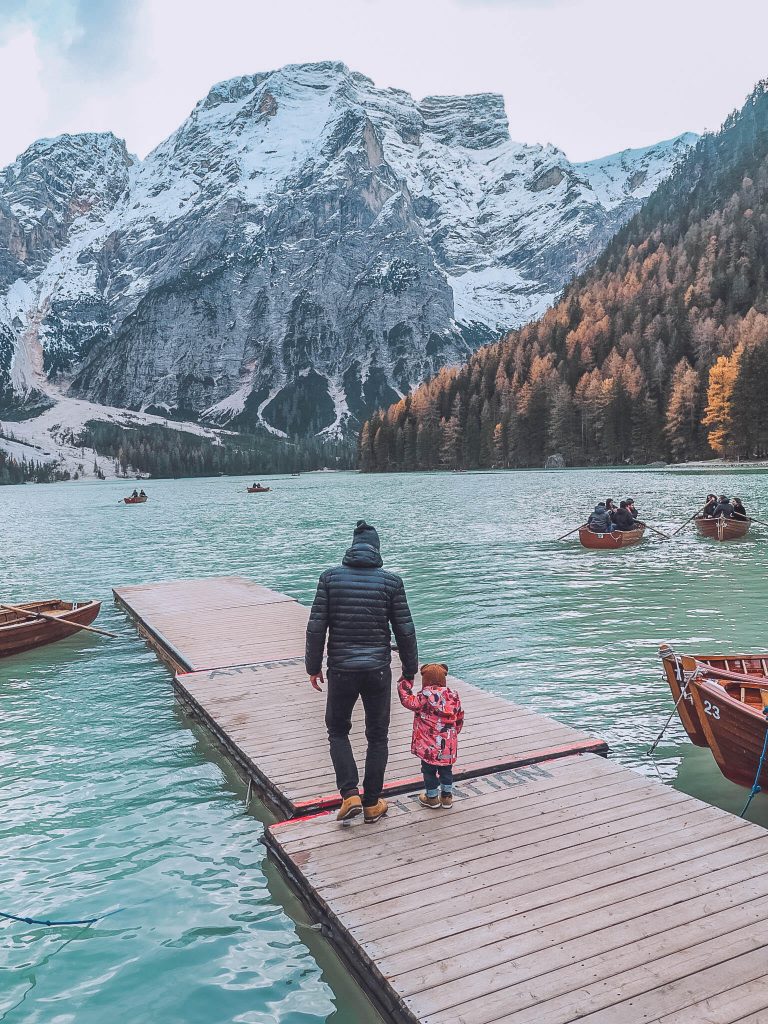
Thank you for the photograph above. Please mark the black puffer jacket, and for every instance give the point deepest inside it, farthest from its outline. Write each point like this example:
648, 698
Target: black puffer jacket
355, 604
624, 520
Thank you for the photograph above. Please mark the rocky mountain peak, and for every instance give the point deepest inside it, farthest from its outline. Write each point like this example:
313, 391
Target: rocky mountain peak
303, 248
473, 122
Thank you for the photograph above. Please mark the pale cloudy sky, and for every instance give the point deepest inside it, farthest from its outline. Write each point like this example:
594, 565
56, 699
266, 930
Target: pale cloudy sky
591, 76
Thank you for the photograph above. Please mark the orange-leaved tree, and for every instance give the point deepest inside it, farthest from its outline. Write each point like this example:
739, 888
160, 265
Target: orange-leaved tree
718, 415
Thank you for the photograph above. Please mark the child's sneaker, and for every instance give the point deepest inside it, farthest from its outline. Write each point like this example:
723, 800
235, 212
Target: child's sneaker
446, 800
429, 801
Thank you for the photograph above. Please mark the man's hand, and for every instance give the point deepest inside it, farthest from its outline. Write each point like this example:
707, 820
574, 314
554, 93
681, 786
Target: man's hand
317, 681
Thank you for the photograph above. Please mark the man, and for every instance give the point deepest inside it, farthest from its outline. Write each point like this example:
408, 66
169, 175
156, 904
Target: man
723, 508
623, 517
355, 604
709, 509
600, 520
631, 507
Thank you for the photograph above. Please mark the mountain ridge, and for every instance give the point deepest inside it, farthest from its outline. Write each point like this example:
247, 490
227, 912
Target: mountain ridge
303, 248
659, 350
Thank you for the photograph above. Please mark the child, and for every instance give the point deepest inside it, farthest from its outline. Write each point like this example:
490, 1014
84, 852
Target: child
436, 726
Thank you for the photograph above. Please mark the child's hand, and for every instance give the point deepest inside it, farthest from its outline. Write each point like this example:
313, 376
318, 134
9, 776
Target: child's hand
408, 683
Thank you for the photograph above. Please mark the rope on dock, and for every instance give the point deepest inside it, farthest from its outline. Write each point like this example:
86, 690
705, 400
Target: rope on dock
53, 924
756, 784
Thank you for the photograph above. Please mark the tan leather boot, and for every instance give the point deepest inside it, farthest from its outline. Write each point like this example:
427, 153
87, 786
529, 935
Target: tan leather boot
350, 808
373, 813
446, 799
429, 801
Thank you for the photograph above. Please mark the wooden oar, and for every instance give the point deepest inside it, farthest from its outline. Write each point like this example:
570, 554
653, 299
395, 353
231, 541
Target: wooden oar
56, 618
687, 521
572, 531
653, 530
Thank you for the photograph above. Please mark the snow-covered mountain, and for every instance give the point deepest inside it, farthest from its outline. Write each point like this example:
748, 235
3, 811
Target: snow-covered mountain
303, 248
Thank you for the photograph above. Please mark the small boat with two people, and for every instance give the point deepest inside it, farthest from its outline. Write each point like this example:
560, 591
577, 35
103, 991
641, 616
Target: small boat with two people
258, 489
137, 498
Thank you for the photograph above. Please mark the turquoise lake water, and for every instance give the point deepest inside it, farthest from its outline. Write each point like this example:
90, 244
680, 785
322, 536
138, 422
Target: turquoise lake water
111, 801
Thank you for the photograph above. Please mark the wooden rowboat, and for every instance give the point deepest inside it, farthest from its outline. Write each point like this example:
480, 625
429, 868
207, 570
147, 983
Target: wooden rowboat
136, 501
732, 709
679, 668
258, 490
722, 528
610, 541
21, 633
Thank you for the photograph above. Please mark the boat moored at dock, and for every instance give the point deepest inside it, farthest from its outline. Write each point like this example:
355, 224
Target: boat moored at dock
42, 622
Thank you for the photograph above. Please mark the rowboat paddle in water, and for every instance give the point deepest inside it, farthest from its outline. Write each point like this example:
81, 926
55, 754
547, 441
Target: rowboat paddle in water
26, 626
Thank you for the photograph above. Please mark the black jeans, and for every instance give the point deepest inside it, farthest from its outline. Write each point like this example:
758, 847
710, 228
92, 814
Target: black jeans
344, 688
432, 772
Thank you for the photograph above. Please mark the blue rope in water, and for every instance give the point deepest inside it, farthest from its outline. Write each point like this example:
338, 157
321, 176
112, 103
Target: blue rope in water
755, 785
52, 924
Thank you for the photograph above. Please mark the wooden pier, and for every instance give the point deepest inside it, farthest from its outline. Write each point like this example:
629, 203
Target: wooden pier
560, 887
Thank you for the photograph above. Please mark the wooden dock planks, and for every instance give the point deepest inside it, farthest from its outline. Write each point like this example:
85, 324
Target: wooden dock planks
560, 887
569, 890
272, 721
210, 623
238, 652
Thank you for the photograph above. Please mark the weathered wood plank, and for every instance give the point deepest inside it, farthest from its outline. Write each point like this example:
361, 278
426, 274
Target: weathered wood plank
587, 893
242, 648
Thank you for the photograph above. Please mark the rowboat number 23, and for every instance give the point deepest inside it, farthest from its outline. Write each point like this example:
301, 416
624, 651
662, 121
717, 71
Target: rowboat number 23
711, 709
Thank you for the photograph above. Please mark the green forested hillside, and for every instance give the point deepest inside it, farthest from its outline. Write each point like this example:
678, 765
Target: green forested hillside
165, 452
660, 350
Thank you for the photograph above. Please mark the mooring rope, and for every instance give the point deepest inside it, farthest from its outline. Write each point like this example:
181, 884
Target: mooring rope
53, 924
756, 784
681, 675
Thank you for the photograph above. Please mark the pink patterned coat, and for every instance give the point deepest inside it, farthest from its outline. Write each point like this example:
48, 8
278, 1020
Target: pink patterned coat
438, 719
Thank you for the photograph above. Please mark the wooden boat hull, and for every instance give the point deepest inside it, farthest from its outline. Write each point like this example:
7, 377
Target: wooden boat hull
735, 730
135, 501
723, 529
258, 490
678, 668
676, 678
610, 541
18, 633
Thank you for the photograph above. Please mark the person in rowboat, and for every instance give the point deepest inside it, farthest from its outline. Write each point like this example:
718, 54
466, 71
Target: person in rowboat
135, 493
141, 493
600, 520
723, 508
632, 510
610, 504
739, 512
623, 517
709, 508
